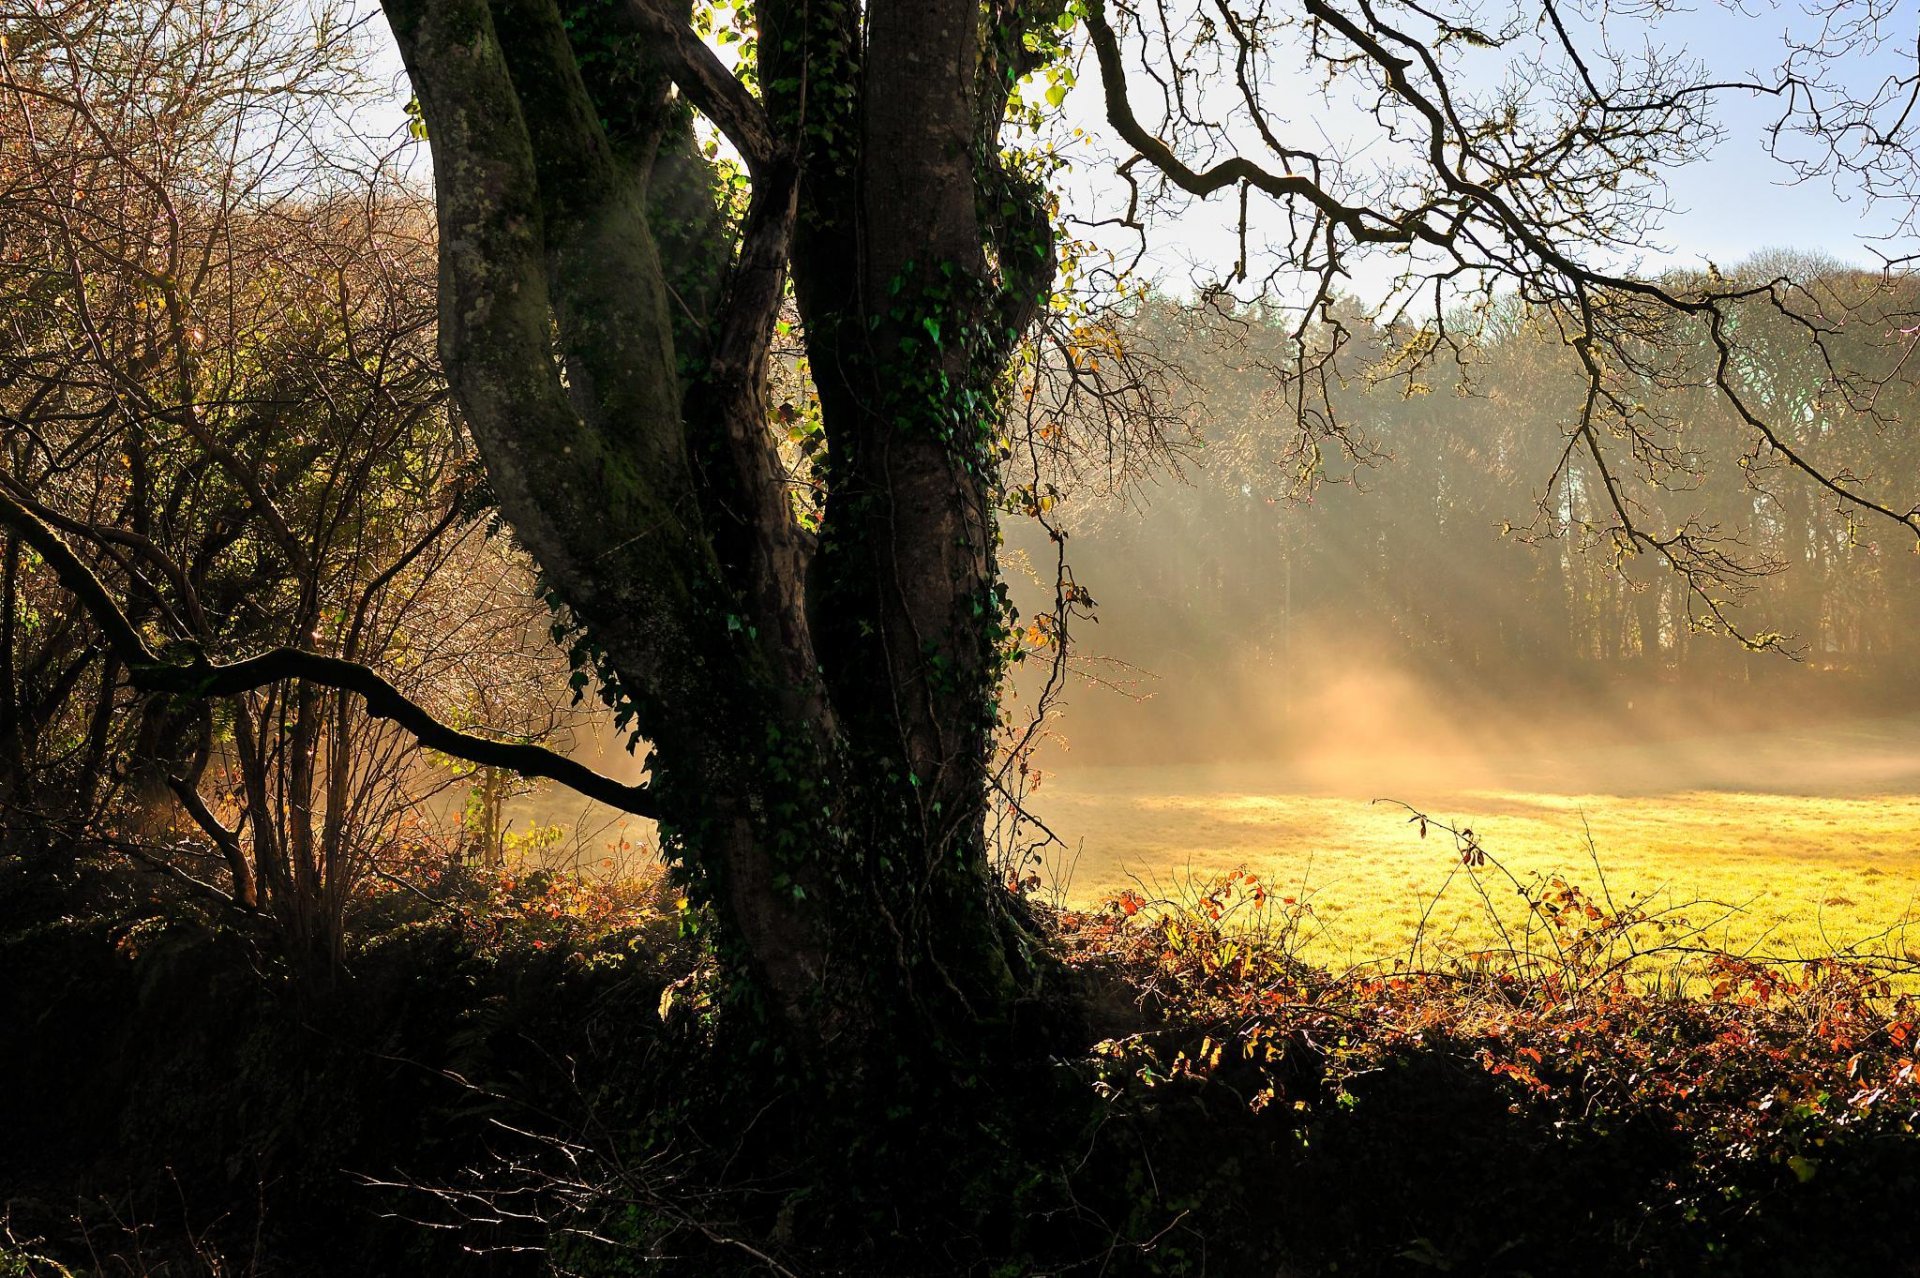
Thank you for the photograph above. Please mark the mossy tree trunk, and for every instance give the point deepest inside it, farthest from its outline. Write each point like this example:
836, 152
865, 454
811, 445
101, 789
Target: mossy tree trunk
820, 702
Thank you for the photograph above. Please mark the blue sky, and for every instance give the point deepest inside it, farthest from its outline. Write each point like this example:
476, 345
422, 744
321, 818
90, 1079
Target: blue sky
1741, 199
1734, 204
1738, 201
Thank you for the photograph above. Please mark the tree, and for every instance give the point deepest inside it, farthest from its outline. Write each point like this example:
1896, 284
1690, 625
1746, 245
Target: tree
817, 683
820, 705
220, 389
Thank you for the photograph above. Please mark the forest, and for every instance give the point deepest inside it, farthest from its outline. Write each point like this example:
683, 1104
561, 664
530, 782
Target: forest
1234, 590
551, 550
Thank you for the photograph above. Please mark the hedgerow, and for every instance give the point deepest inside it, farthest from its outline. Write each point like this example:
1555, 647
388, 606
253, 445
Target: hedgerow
1601, 1093
527, 1057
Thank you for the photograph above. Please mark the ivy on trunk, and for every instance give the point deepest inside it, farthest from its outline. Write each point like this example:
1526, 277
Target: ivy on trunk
820, 700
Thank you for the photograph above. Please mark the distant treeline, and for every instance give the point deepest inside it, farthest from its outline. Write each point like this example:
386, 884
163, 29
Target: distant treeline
1448, 525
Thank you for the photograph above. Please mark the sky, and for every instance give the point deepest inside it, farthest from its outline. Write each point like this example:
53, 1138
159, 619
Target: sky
1742, 200
1737, 202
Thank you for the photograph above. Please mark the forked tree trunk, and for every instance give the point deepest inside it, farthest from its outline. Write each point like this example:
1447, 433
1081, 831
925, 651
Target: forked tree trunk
820, 708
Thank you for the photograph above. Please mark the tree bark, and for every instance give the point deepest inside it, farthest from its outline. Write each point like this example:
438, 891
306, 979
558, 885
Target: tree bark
820, 709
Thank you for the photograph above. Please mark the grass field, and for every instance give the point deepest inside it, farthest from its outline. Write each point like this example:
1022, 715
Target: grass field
1790, 844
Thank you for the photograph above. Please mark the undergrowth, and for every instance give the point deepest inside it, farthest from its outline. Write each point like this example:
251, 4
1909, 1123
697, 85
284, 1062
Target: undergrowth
533, 1073
1601, 1092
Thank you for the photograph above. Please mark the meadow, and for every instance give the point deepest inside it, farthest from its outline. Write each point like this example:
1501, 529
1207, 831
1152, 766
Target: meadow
1793, 843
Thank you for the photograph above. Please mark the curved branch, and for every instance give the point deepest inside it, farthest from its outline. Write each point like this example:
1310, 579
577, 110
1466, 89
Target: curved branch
246, 894
1365, 225
715, 91
1470, 207
150, 672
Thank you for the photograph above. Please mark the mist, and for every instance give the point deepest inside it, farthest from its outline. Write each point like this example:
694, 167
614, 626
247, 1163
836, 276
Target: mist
1434, 607
1357, 714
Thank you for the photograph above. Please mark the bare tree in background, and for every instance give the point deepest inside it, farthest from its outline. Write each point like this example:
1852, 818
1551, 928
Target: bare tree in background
220, 388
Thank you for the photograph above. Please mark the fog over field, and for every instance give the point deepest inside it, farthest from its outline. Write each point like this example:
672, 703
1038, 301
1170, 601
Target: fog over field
1798, 838
1366, 722
1426, 610
1801, 819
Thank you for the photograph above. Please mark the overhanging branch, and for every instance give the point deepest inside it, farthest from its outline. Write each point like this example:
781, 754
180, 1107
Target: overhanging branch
1365, 225
709, 85
1496, 209
201, 678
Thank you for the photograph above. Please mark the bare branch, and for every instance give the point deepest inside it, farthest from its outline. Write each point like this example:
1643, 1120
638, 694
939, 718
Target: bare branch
199, 677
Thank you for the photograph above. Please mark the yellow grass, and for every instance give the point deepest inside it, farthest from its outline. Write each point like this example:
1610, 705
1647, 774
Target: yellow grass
1775, 871
1806, 840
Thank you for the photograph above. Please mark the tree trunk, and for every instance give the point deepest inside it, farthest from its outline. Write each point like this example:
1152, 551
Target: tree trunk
821, 709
